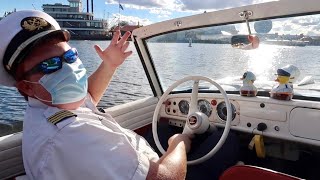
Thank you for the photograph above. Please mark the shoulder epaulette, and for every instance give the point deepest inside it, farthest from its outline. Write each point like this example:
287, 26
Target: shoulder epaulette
60, 116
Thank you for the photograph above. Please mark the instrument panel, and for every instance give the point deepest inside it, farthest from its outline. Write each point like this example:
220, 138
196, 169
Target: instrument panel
214, 108
222, 111
184, 106
279, 119
205, 107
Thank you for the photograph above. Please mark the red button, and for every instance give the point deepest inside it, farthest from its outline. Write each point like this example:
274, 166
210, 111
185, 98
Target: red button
213, 102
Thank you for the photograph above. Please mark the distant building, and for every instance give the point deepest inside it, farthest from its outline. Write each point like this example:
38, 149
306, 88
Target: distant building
81, 25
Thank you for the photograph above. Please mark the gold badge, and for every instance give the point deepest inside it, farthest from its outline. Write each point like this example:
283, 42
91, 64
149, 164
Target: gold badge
34, 23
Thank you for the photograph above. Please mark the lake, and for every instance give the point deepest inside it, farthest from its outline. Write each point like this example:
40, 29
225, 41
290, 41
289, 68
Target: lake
130, 82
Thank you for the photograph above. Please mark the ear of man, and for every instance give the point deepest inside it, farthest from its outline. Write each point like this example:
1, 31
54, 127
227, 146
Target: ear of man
25, 88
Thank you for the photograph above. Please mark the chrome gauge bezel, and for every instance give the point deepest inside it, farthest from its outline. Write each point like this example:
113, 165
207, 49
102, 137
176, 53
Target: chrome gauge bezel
207, 105
221, 115
182, 107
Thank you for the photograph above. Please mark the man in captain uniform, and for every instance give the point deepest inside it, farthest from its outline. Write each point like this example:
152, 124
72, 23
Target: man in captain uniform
64, 135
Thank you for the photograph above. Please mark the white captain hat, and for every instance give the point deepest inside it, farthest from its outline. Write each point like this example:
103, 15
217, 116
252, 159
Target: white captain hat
294, 72
19, 32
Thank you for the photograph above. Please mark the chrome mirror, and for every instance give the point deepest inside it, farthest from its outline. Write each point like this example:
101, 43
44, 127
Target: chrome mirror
245, 42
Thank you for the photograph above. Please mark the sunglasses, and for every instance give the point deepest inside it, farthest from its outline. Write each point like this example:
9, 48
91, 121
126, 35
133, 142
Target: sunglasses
55, 63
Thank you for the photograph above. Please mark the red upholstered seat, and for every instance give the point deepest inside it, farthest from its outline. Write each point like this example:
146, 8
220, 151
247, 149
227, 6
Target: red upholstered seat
253, 173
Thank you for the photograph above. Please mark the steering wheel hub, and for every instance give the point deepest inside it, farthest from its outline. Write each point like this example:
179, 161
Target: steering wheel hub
198, 122
194, 121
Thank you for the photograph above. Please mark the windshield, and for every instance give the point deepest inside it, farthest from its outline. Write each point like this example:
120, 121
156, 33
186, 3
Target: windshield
207, 52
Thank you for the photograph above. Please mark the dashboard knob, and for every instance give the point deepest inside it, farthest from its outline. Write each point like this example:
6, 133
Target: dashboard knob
262, 126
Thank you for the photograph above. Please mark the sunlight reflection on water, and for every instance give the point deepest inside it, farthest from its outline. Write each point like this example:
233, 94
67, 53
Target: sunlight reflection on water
212, 60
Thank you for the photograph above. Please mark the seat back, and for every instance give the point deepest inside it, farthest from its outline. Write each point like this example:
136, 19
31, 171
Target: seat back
11, 163
253, 173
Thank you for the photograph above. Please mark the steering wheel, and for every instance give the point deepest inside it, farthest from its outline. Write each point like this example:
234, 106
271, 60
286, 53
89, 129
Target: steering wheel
196, 122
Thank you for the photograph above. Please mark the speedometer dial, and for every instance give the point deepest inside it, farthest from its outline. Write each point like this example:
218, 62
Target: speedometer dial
222, 111
184, 107
205, 107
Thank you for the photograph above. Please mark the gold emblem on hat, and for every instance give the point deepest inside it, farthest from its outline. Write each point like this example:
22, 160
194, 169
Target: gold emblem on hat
34, 23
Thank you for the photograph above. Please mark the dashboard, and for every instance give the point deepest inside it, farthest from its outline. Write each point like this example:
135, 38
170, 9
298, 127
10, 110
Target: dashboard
295, 120
214, 108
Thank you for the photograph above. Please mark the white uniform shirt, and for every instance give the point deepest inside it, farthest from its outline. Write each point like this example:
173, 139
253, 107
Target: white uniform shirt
89, 146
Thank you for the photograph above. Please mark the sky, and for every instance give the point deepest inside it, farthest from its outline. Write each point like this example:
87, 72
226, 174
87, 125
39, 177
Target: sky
146, 12
143, 12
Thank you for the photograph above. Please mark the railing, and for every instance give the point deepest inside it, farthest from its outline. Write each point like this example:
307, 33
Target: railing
73, 26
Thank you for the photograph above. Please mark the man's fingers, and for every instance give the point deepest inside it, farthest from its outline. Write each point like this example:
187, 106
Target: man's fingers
124, 38
115, 37
98, 50
127, 54
125, 46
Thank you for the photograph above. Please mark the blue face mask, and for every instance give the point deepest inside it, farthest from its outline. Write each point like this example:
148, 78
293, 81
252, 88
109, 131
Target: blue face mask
67, 85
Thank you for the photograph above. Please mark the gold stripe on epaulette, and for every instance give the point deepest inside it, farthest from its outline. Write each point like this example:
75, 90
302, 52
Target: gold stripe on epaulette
59, 116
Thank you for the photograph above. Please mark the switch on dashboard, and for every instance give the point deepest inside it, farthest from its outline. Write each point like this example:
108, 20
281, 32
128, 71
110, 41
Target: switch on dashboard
261, 127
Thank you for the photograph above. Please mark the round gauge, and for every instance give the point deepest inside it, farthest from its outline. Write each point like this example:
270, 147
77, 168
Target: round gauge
222, 111
205, 107
184, 107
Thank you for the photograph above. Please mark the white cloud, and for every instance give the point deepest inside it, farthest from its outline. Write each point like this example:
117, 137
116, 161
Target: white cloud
164, 9
143, 3
262, 1
132, 20
307, 25
160, 11
164, 5
307, 20
184, 5
211, 4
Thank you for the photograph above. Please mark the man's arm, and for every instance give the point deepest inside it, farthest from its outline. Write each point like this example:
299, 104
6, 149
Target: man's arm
112, 57
173, 164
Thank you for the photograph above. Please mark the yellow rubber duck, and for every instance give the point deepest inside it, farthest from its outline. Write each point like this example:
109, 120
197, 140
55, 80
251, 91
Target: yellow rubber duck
294, 73
283, 91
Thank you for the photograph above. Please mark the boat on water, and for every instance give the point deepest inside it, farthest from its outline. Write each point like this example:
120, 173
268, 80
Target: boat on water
190, 42
280, 136
82, 25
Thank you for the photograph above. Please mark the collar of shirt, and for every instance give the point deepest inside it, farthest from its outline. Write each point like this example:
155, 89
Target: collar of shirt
36, 103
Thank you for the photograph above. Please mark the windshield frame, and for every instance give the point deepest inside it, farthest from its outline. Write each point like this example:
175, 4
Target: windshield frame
286, 8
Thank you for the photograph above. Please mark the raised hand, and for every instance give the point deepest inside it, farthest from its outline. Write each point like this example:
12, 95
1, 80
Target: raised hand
115, 54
